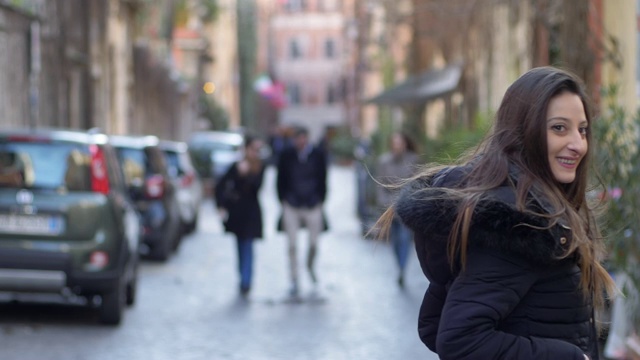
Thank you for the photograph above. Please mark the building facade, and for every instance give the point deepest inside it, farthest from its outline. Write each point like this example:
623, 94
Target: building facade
15, 67
93, 63
621, 22
222, 70
306, 54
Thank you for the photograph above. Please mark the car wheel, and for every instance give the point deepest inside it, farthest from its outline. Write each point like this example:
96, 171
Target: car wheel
113, 304
162, 250
132, 286
177, 237
193, 225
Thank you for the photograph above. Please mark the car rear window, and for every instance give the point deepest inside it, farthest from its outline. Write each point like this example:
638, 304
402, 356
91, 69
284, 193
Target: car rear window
215, 146
45, 165
134, 164
173, 163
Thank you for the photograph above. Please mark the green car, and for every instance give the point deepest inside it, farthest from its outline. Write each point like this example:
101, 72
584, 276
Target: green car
67, 224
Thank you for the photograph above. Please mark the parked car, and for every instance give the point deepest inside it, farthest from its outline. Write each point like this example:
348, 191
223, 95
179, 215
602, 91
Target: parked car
186, 181
147, 177
215, 151
67, 225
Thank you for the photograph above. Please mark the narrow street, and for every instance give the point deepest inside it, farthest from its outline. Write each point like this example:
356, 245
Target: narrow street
189, 307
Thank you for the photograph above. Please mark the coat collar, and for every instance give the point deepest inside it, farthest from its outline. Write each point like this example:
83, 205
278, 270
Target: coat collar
424, 207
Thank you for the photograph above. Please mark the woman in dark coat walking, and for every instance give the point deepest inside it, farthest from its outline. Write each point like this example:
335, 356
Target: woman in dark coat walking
237, 201
507, 239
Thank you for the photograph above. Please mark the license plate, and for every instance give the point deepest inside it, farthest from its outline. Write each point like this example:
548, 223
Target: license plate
31, 224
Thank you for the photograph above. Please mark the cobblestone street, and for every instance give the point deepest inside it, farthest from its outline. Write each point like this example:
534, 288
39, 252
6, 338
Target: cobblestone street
189, 307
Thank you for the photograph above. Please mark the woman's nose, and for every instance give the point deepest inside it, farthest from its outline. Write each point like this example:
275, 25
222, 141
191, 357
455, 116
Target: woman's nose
578, 142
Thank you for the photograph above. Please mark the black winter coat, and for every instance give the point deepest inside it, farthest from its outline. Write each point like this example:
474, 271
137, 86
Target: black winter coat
516, 299
302, 183
239, 196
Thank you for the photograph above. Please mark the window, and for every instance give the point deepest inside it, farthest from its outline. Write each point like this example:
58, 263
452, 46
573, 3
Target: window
295, 5
330, 5
134, 165
294, 49
295, 96
173, 163
329, 48
331, 94
45, 165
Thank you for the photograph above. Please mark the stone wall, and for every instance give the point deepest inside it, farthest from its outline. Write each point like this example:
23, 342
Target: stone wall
14, 67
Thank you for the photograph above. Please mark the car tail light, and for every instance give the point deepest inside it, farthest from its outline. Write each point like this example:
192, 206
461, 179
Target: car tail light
99, 259
154, 186
187, 179
99, 176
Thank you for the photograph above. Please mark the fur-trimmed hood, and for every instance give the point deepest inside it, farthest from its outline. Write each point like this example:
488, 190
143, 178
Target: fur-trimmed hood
496, 223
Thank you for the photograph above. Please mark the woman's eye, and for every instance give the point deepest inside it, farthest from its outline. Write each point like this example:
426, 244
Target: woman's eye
583, 130
557, 127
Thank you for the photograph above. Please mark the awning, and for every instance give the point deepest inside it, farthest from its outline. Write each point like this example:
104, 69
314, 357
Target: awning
421, 88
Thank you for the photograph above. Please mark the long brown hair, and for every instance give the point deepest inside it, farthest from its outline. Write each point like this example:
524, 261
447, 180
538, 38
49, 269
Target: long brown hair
518, 140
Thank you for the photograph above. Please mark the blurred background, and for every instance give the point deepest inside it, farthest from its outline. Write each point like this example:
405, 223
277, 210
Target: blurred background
351, 71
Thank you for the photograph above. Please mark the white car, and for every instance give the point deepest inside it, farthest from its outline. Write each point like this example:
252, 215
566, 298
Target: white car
186, 181
220, 148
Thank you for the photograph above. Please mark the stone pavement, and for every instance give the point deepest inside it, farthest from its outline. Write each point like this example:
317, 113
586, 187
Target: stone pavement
189, 308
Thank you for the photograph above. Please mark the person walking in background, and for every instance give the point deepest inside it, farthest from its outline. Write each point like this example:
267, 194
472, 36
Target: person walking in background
397, 164
302, 189
278, 141
507, 239
237, 201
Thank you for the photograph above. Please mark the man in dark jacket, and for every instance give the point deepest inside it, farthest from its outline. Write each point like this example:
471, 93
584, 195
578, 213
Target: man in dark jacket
302, 188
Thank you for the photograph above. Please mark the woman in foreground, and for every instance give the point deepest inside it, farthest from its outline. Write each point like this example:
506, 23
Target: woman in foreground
507, 238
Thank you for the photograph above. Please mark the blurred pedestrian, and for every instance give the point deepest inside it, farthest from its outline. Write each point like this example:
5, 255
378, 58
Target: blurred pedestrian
507, 239
398, 163
325, 143
278, 141
238, 204
302, 189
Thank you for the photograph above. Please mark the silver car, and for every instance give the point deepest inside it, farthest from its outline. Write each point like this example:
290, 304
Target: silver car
186, 182
216, 151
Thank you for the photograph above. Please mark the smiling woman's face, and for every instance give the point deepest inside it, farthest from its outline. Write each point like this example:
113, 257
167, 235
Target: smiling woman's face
567, 128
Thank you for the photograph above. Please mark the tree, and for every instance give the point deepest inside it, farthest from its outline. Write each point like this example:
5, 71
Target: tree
247, 44
215, 114
617, 156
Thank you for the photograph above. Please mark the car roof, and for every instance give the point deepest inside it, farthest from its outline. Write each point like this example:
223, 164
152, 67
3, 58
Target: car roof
57, 134
226, 137
175, 146
134, 141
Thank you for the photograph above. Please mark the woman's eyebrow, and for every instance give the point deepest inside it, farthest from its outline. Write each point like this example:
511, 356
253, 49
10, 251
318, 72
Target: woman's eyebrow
557, 118
582, 122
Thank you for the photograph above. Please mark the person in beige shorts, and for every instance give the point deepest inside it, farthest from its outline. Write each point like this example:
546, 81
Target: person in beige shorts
302, 189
